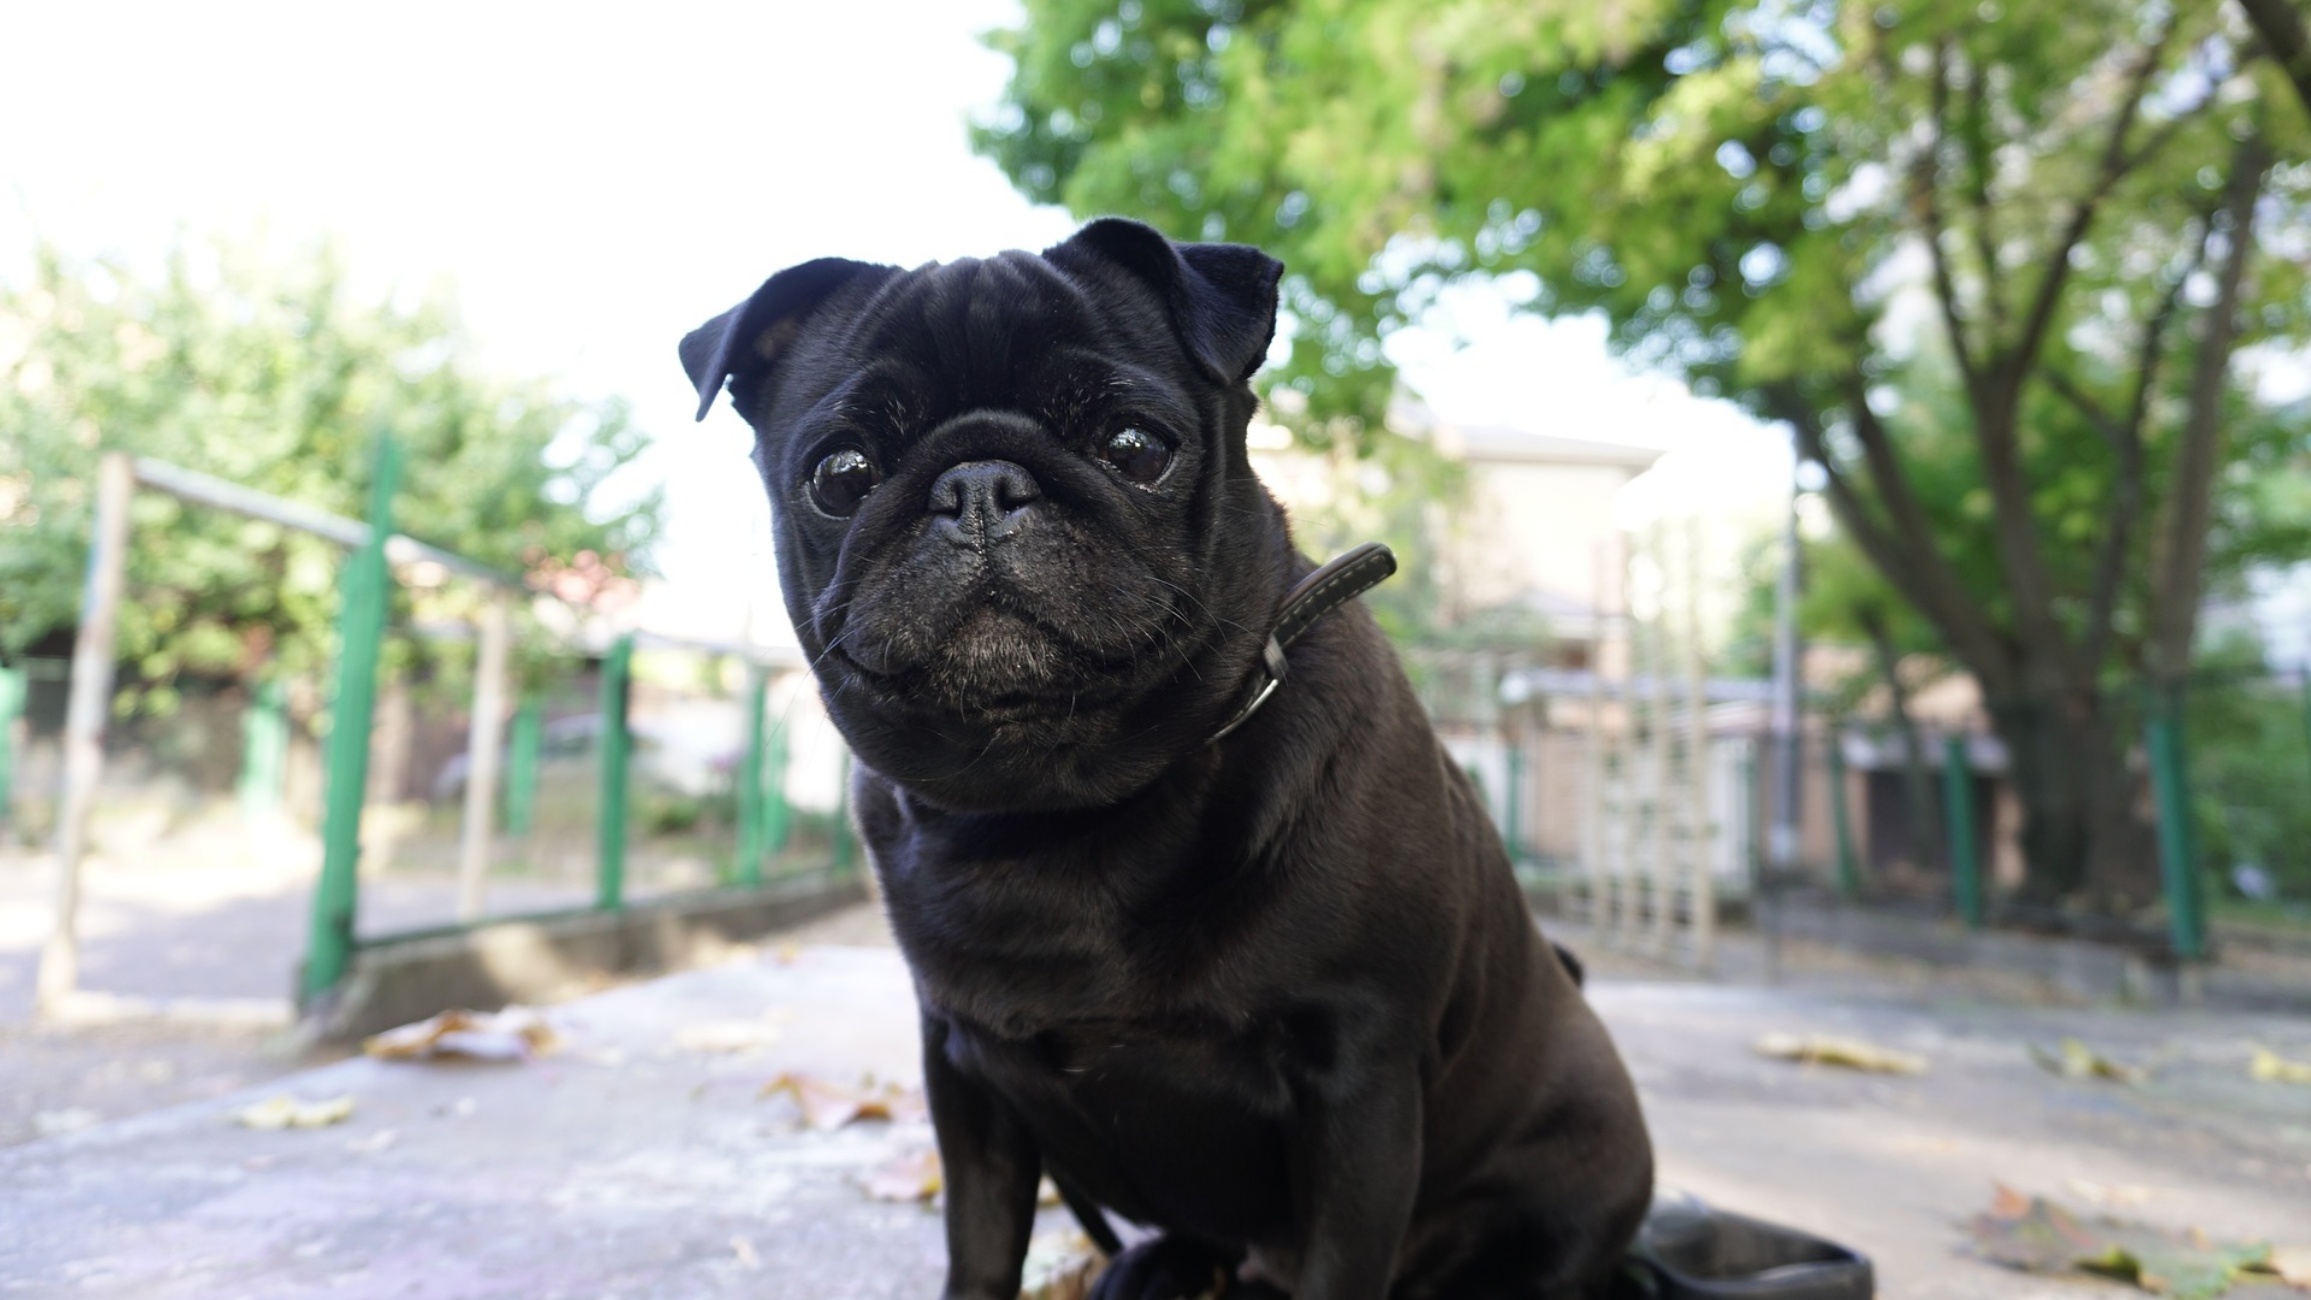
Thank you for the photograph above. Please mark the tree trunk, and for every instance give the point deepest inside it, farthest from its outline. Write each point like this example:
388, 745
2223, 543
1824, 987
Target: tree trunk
2082, 836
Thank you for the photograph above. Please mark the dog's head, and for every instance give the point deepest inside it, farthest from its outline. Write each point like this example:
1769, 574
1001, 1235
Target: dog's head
1017, 530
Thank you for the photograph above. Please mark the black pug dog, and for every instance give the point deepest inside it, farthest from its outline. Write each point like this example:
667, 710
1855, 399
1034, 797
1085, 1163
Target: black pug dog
1274, 994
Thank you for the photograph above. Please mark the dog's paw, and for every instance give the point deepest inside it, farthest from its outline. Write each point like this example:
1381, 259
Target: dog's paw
1165, 1268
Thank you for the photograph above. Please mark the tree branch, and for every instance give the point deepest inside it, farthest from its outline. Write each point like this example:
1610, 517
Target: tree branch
1926, 202
2199, 453
2096, 413
1980, 164
2113, 166
2282, 30
1903, 547
2125, 438
2117, 540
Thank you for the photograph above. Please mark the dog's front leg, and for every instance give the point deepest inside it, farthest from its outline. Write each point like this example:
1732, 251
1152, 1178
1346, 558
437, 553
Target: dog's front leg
1355, 1172
990, 1166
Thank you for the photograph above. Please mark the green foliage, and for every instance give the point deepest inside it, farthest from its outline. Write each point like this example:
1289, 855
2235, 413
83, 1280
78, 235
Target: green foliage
2262, 516
2250, 766
1948, 242
1714, 176
1727, 182
275, 377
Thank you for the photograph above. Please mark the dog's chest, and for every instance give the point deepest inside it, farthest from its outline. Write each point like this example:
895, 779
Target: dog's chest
1180, 1122
1022, 947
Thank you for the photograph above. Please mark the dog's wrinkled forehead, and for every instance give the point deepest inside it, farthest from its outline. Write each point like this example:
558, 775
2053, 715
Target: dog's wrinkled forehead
977, 320
983, 330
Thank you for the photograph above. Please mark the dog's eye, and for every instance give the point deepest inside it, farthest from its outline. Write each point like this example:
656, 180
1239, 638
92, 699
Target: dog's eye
1140, 457
843, 480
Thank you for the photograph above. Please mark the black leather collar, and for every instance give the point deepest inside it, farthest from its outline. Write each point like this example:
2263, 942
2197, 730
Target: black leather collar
1339, 581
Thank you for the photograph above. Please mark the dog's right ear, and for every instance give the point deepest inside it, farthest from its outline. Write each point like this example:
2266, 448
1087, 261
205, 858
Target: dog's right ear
756, 331
1222, 296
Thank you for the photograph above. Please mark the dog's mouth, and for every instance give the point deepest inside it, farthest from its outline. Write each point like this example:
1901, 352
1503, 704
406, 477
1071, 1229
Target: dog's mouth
995, 667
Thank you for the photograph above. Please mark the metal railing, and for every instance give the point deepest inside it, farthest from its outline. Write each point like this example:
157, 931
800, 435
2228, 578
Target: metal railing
504, 754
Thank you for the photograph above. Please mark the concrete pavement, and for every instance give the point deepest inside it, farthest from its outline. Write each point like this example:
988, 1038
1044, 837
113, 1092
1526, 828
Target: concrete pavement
634, 1163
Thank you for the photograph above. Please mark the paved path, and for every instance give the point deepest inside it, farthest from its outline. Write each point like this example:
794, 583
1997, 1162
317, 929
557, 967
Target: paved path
633, 1165
215, 938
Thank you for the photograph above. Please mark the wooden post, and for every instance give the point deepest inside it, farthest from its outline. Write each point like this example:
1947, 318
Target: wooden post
1667, 808
1624, 753
1702, 889
1592, 809
481, 749
86, 712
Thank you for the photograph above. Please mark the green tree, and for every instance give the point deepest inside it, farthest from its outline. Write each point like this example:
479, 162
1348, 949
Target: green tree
274, 376
1841, 215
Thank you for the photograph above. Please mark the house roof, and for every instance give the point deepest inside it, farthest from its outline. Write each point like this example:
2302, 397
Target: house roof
1503, 444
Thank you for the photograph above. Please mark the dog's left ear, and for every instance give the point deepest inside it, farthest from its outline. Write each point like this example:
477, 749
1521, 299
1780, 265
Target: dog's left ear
756, 331
1222, 296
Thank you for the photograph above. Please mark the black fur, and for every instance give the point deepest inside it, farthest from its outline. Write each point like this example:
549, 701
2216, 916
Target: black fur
1278, 997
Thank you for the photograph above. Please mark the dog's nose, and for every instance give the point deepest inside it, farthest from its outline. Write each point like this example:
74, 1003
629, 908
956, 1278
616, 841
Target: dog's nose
982, 501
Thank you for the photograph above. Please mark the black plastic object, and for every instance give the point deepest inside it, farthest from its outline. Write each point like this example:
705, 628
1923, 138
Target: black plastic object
1688, 1251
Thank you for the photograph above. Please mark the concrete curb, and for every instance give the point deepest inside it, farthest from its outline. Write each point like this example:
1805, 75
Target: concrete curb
2079, 969
559, 955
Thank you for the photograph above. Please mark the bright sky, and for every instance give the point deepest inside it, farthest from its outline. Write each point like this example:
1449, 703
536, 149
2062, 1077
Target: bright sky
594, 180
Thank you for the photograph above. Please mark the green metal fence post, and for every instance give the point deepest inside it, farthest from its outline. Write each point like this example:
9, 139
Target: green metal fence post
360, 635
1965, 862
13, 688
1512, 813
521, 792
616, 742
264, 749
2307, 713
748, 869
2178, 852
1849, 869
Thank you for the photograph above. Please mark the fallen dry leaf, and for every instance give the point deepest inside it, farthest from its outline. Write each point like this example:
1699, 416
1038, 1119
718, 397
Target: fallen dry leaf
514, 1034
2036, 1234
2270, 1067
2292, 1264
826, 1106
1849, 1053
2075, 1060
915, 1176
285, 1111
1060, 1266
